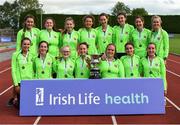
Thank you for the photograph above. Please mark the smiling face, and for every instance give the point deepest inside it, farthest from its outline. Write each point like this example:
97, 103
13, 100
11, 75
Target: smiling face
156, 23
49, 24
69, 25
110, 51
43, 48
88, 23
129, 50
29, 23
151, 50
103, 20
25, 45
65, 52
121, 20
139, 23
83, 49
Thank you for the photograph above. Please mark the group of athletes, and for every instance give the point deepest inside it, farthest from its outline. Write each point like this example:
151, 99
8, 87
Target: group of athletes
64, 53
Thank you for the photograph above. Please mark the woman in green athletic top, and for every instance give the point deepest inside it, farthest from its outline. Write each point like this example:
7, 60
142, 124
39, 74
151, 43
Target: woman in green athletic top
153, 66
81, 66
122, 32
111, 67
160, 38
30, 32
130, 62
104, 33
64, 66
88, 34
140, 37
43, 64
50, 35
22, 65
70, 36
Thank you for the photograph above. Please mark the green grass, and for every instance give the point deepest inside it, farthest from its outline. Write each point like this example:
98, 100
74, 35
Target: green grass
174, 46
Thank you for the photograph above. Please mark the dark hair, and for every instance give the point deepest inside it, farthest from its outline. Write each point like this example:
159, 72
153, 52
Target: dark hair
54, 23
25, 38
151, 43
24, 24
148, 46
26, 17
84, 43
122, 13
88, 16
104, 14
129, 43
142, 18
43, 42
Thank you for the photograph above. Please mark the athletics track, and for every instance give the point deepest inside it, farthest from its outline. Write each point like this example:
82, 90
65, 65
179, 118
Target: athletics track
10, 115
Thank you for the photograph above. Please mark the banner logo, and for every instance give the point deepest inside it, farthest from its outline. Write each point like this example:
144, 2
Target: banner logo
39, 96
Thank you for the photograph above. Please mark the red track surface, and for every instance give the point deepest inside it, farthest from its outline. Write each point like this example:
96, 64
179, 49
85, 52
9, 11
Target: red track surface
9, 115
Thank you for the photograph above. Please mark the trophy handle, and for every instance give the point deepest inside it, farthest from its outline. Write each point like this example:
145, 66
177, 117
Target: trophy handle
88, 61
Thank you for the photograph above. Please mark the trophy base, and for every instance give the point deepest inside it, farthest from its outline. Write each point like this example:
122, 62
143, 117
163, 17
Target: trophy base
95, 73
95, 77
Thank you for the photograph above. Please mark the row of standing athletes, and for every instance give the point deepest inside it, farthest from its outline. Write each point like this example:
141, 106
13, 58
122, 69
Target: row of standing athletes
146, 50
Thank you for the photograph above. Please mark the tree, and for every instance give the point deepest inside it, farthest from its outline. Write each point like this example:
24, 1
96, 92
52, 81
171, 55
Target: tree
27, 5
119, 7
10, 13
139, 11
6, 15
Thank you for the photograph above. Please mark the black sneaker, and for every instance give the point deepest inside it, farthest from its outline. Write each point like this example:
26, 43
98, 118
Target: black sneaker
16, 104
10, 102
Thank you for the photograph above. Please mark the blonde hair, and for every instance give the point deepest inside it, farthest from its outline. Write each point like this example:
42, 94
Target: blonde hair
156, 17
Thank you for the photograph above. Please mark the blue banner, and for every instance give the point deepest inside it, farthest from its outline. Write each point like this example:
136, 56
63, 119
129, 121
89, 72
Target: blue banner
92, 97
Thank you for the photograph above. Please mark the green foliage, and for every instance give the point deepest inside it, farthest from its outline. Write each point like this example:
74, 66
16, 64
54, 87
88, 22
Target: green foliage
27, 5
139, 11
10, 12
120, 7
174, 44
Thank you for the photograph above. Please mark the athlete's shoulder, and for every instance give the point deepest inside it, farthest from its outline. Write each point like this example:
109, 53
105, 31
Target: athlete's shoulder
143, 59
137, 57
123, 57
164, 32
36, 29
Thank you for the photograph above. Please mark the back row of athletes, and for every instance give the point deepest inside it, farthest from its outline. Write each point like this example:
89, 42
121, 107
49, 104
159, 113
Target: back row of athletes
97, 38
36, 50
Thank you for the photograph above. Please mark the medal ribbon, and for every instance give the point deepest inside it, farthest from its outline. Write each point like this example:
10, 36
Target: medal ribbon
43, 62
24, 58
154, 37
150, 63
131, 61
122, 32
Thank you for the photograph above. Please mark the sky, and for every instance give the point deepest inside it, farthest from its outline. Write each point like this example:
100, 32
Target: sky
154, 7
